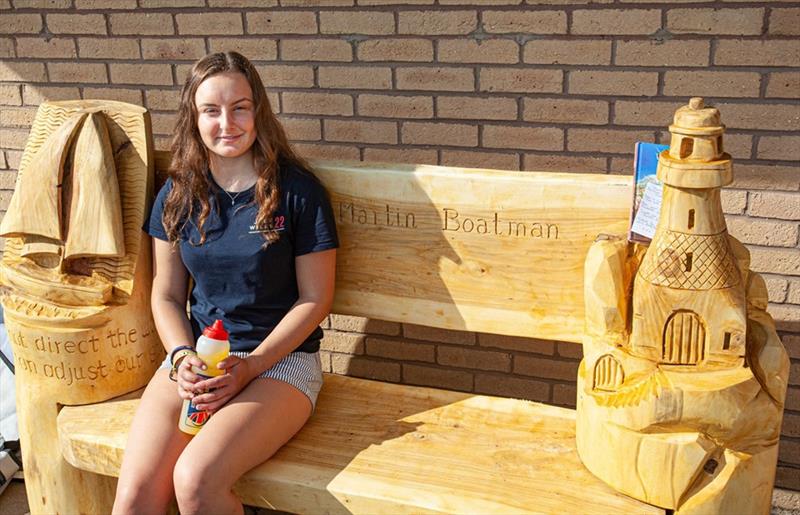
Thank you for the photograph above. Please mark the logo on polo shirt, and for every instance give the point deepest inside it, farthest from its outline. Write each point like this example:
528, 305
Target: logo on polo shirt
278, 225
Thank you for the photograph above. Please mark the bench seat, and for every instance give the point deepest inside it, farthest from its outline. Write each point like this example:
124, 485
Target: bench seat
375, 447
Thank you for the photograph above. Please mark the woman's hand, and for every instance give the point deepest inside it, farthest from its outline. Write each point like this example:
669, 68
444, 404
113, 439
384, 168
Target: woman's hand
211, 394
186, 378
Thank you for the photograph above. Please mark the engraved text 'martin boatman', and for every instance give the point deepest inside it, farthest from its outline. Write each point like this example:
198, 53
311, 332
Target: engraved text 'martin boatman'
454, 221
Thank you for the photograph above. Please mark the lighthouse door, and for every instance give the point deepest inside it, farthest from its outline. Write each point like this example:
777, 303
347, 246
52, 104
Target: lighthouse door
684, 341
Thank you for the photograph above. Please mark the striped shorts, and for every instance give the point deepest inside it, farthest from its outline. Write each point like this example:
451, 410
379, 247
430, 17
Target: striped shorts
303, 370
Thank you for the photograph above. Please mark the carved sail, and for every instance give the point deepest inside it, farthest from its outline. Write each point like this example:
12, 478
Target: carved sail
35, 207
94, 208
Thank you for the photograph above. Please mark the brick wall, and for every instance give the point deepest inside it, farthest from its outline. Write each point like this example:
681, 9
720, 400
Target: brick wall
549, 85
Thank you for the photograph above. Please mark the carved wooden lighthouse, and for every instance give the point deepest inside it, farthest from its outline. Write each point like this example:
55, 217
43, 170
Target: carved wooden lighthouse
689, 307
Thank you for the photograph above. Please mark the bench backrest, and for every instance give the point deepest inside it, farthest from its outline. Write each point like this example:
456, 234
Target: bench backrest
478, 250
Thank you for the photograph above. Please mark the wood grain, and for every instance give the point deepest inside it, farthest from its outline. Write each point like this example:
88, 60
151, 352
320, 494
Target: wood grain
382, 448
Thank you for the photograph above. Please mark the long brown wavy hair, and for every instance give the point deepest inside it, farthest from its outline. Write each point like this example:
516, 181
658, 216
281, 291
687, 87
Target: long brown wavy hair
189, 198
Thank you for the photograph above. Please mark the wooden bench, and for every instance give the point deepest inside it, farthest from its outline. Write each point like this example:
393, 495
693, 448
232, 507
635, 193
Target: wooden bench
475, 250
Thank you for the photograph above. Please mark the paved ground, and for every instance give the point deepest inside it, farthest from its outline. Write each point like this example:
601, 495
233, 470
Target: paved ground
13, 501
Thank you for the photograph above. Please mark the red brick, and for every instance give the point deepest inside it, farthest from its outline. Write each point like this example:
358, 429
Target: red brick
395, 106
476, 108
356, 22
787, 318
20, 23
559, 51
183, 49
435, 79
564, 163
18, 71
773, 204
764, 177
565, 395
591, 112
361, 132
757, 53
762, 232
792, 344
434, 334
395, 50
357, 366
314, 151
465, 357
514, 387
604, 22
108, 48
203, 24
154, 4
738, 22
618, 141
38, 4
598, 82
480, 2
436, 22
317, 103
516, 343
545, 367
676, 52
302, 129
734, 202
516, 80
437, 377
155, 74
141, 24
355, 77
244, 3
787, 477
712, 84
76, 23
784, 85
162, 99
528, 138
525, 22
784, 21
39, 47
131, 96
648, 113
286, 76
316, 50
400, 350
35, 95
450, 134
364, 325
779, 147
492, 51
480, 159
348, 343
282, 22
739, 146
392, 2
775, 260
569, 350
401, 155
315, 3
78, 72
10, 95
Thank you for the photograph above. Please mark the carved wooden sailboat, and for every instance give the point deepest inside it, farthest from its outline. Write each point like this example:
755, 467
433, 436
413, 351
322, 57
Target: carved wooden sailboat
66, 206
94, 221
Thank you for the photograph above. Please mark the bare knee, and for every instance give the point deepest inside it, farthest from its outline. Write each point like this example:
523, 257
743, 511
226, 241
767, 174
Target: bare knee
198, 488
137, 497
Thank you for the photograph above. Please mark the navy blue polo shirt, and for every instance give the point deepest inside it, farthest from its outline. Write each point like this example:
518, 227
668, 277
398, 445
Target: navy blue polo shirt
239, 280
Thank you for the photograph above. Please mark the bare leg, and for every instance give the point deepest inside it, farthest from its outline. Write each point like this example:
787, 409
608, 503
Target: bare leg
244, 433
154, 444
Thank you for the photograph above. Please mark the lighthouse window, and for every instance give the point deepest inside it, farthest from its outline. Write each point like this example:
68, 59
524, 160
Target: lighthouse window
691, 218
719, 145
687, 145
726, 342
689, 261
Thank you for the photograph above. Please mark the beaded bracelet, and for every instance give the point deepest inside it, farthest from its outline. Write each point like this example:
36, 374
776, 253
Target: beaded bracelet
176, 356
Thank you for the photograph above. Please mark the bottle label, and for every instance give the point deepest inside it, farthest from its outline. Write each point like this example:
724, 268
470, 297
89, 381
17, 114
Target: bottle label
196, 418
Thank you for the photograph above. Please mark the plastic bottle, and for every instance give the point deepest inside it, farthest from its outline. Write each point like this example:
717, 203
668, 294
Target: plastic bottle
212, 347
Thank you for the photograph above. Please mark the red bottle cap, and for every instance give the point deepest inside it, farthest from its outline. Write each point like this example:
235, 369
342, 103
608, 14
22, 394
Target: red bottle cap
216, 331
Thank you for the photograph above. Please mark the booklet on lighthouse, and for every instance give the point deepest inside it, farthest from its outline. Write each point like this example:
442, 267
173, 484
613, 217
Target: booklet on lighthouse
646, 205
